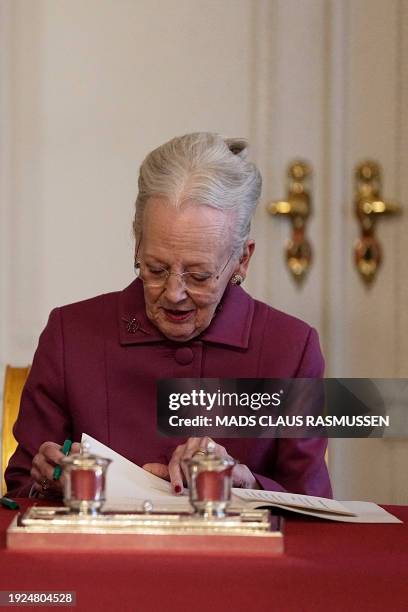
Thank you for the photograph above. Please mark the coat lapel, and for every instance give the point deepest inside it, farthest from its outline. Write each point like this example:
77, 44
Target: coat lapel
230, 326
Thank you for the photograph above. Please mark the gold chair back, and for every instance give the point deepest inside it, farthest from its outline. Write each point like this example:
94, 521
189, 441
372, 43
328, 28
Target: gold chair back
14, 381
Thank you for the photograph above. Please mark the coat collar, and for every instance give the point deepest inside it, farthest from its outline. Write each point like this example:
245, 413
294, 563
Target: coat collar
230, 326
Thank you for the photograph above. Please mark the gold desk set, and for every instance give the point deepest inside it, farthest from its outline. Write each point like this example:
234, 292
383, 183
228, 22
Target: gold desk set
212, 524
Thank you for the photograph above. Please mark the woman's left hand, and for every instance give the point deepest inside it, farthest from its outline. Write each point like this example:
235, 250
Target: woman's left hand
175, 470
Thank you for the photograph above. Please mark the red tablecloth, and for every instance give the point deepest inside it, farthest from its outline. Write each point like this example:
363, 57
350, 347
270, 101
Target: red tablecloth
326, 566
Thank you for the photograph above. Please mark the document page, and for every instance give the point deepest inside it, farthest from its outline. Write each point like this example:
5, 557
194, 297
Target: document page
363, 512
293, 500
129, 485
318, 507
125, 479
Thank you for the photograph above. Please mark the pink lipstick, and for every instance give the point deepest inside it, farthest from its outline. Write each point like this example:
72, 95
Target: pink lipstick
177, 316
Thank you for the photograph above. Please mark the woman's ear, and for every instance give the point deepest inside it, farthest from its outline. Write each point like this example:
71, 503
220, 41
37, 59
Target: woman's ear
247, 252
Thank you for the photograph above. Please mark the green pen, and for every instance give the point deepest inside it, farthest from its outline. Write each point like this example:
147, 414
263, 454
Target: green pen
9, 503
65, 451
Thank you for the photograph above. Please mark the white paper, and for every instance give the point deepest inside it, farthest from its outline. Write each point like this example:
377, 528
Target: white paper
364, 512
126, 479
293, 500
129, 485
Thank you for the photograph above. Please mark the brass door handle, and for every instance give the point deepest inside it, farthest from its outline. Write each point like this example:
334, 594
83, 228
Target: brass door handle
369, 206
297, 208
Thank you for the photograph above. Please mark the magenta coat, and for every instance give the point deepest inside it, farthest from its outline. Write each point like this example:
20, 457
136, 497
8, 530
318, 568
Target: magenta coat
96, 367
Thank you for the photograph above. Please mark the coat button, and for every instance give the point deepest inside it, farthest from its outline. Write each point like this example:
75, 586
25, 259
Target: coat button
184, 355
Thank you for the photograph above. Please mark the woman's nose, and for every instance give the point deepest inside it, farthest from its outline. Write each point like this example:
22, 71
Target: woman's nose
175, 288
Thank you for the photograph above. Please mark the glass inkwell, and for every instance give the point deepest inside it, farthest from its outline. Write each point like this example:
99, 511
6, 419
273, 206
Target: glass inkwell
85, 481
210, 481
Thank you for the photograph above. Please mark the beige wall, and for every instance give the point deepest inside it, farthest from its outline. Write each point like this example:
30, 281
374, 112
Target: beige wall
89, 88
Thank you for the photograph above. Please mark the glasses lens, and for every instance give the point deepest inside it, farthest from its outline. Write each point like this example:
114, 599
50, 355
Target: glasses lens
199, 282
202, 283
153, 277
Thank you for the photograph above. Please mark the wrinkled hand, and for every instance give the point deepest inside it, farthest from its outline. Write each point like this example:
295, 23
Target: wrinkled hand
49, 455
175, 471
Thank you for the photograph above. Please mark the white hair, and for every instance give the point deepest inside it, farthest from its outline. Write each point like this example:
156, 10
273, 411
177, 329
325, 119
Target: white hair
203, 168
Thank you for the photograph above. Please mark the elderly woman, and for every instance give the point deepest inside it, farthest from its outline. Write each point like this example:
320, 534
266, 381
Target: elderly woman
97, 363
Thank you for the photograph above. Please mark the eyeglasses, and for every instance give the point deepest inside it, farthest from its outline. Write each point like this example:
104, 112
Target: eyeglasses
154, 275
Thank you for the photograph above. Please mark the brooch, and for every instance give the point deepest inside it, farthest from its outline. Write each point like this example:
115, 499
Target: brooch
133, 325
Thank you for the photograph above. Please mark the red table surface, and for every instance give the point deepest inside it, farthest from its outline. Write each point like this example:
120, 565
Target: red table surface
326, 565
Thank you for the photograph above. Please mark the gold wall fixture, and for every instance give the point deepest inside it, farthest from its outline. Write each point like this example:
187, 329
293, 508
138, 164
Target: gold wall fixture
297, 209
369, 207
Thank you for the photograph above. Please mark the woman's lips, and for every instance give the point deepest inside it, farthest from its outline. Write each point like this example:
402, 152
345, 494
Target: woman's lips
177, 316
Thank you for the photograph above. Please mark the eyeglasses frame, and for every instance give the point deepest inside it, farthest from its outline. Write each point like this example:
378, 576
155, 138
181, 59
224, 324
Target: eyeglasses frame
215, 275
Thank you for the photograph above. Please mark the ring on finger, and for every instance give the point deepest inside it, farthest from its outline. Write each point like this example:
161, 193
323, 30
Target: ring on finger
44, 484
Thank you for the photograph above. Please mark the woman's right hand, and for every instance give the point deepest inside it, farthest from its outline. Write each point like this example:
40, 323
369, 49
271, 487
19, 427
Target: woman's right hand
42, 469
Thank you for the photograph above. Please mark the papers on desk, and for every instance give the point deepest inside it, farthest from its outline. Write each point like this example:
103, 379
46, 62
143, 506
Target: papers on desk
363, 512
293, 501
319, 507
128, 485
